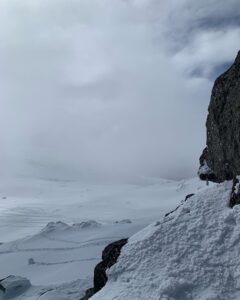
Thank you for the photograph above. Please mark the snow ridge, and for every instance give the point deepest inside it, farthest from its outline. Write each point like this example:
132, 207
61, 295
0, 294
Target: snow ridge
191, 254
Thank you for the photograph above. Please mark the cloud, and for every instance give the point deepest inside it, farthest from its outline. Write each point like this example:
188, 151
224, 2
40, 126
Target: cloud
109, 90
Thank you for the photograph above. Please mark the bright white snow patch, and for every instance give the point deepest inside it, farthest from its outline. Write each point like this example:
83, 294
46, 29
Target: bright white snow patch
194, 253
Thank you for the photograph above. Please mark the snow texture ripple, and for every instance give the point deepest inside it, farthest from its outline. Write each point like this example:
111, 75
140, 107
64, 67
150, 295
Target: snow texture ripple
194, 253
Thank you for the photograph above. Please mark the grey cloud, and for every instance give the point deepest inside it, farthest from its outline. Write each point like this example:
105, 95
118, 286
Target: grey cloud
109, 90
213, 72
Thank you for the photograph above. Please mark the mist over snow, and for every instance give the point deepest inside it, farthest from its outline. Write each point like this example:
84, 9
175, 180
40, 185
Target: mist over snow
109, 90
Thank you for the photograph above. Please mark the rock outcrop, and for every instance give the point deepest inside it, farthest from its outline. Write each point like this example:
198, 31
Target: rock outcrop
109, 257
235, 194
221, 159
13, 286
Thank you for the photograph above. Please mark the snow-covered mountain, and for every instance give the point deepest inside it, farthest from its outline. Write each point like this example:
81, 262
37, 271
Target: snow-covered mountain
53, 232
191, 254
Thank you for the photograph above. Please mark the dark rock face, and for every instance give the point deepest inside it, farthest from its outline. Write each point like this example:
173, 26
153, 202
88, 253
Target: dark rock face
221, 159
2, 288
109, 257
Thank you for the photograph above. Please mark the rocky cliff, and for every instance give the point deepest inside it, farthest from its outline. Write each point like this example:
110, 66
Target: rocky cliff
221, 158
109, 258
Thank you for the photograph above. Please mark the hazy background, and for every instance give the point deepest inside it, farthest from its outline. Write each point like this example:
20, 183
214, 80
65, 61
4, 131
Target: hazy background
109, 89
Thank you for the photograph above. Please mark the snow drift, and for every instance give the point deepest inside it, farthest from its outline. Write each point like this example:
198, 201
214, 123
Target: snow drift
192, 253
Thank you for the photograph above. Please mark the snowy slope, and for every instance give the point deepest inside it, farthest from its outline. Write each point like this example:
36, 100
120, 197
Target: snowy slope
193, 253
60, 253
27, 205
59, 257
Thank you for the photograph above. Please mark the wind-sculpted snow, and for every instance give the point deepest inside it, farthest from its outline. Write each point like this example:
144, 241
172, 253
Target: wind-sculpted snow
194, 253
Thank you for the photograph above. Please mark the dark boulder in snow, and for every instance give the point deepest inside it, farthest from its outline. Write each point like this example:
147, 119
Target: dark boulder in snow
221, 159
13, 286
235, 194
124, 221
31, 261
189, 196
109, 257
111, 252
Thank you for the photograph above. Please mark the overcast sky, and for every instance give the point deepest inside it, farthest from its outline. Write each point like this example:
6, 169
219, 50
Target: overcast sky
109, 89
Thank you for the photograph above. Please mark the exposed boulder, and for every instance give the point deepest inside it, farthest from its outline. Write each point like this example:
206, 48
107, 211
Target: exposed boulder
13, 286
235, 194
31, 261
221, 159
109, 257
189, 196
124, 221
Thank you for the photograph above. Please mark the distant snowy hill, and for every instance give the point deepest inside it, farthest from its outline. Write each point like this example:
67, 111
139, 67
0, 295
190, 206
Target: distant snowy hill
54, 232
194, 253
27, 205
